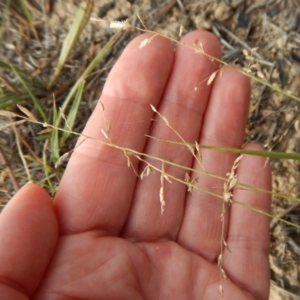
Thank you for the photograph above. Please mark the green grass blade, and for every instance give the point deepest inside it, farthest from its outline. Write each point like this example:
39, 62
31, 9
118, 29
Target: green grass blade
10, 98
80, 21
9, 67
94, 63
73, 112
4, 18
273, 87
263, 153
47, 170
267, 214
54, 136
26, 11
31, 94
100, 56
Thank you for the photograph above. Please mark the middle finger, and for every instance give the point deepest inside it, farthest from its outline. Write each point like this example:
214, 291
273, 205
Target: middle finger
184, 108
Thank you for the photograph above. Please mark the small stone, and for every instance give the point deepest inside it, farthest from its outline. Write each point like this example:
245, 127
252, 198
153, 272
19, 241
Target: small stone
223, 12
201, 23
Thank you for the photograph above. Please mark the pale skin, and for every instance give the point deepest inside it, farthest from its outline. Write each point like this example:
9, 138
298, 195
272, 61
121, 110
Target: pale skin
104, 237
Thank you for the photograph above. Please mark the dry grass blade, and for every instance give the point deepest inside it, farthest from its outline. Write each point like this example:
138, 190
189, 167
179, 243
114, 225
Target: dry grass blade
8, 114
29, 114
29, 177
10, 86
8, 169
45, 131
141, 20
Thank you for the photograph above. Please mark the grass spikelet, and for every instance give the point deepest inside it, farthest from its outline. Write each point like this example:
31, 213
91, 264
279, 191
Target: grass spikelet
124, 25
128, 154
66, 155
190, 182
161, 191
229, 184
163, 177
211, 78
198, 47
146, 172
107, 125
188, 146
62, 159
181, 28
146, 42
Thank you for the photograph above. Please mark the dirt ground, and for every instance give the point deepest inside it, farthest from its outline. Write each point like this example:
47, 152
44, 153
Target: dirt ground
271, 26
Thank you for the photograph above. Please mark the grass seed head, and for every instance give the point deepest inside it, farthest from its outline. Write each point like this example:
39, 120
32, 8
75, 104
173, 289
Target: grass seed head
62, 159
146, 172
180, 30
220, 259
124, 25
162, 200
144, 43
221, 290
223, 274
211, 78
105, 133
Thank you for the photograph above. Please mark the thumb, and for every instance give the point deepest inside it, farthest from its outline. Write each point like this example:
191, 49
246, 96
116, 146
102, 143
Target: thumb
28, 236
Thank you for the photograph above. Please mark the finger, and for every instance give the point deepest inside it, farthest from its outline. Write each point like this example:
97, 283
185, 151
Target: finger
97, 187
248, 234
183, 107
28, 236
224, 125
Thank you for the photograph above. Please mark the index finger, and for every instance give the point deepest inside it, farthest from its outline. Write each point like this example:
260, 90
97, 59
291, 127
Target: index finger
96, 189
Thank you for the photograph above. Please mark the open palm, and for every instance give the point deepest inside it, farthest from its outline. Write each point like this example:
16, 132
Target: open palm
105, 237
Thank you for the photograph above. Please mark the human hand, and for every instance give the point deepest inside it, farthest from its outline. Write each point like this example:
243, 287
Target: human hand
105, 237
